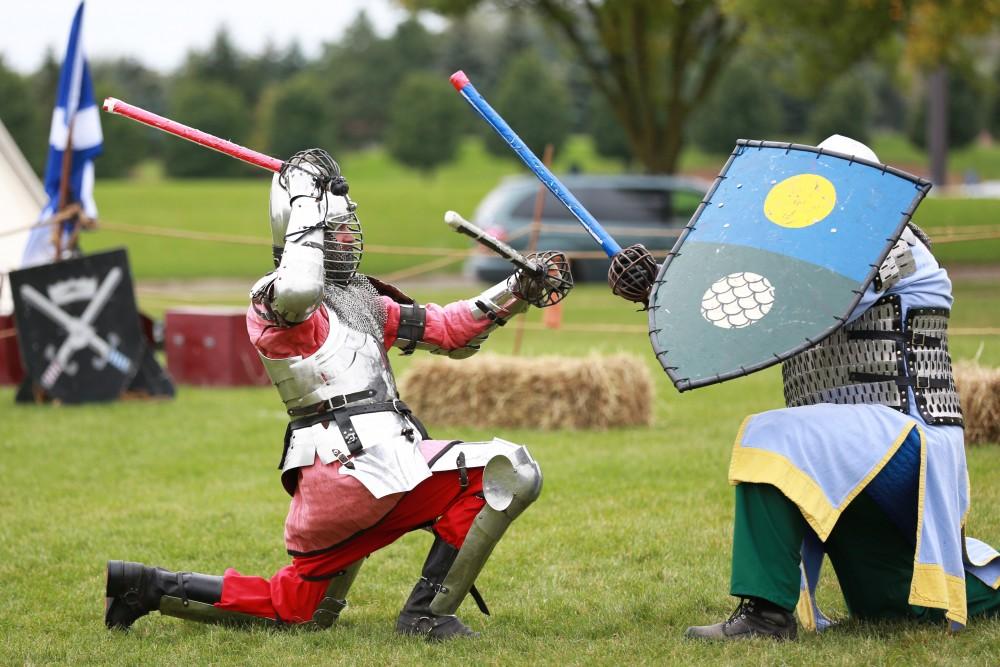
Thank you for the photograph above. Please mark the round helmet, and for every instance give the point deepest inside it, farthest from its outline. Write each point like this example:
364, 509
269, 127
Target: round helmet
838, 143
343, 243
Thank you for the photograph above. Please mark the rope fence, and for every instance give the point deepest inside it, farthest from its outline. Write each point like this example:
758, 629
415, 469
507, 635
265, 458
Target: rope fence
950, 234
447, 256
641, 329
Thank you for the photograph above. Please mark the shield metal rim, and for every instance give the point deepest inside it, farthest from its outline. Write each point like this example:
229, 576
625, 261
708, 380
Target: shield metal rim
921, 185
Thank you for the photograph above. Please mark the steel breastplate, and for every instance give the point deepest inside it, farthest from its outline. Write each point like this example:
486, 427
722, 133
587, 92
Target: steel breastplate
347, 362
875, 359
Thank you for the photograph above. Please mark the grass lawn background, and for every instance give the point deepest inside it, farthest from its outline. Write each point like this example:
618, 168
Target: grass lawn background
628, 544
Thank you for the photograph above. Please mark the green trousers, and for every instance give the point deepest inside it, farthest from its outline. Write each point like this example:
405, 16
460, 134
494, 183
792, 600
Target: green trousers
873, 560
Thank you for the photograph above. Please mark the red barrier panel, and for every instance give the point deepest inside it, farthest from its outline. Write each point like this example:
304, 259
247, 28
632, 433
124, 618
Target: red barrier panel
209, 346
11, 370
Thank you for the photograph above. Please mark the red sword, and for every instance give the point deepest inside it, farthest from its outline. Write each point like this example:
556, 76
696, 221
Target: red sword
250, 156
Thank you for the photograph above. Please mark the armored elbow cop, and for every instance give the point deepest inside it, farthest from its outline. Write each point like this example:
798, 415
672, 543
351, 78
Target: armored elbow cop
898, 264
497, 304
294, 290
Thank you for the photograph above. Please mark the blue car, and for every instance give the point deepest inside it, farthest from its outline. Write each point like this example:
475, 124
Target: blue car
651, 210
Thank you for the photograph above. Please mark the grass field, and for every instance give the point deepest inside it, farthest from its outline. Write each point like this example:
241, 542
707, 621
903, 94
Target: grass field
628, 544
397, 206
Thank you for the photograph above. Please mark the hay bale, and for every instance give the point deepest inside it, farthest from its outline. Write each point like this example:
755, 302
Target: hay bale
595, 392
979, 389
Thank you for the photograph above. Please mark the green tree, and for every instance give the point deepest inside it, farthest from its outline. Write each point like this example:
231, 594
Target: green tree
605, 129
126, 143
825, 39
965, 111
137, 84
274, 65
412, 48
297, 114
224, 63
846, 107
364, 70
45, 80
214, 108
535, 103
421, 132
744, 105
654, 62
361, 73
44, 84
466, 46
21, 117
993, 113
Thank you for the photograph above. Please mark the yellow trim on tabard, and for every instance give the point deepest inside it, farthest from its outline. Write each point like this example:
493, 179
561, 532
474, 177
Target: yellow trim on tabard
755, 465
804, 608
931, 586
763, 467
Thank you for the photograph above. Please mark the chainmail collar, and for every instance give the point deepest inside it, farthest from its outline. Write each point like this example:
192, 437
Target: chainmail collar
358, 305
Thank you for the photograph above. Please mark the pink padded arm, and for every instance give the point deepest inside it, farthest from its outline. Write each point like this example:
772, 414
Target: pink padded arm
449, 327
276, 342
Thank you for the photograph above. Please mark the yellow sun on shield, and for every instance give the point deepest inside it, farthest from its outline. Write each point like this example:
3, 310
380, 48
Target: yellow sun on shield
800, 201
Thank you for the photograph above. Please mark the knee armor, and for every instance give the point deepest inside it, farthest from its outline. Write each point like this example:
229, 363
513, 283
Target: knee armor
510, 483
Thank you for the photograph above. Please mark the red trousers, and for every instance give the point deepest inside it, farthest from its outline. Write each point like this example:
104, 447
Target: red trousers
295, 591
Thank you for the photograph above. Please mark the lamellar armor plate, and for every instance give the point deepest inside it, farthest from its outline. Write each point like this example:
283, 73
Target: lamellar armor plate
876, 359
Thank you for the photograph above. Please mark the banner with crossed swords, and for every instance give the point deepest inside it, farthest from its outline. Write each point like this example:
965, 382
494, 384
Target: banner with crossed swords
78, 327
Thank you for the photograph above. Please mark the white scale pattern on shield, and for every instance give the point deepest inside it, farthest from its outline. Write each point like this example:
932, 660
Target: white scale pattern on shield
737, 300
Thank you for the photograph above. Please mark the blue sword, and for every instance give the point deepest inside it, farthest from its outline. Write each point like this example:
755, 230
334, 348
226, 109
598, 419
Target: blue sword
589, 222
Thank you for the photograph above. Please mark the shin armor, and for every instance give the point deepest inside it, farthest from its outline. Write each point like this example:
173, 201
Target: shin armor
510, 483
335, 600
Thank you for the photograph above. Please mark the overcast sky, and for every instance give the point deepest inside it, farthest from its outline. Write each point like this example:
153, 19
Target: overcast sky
159, 34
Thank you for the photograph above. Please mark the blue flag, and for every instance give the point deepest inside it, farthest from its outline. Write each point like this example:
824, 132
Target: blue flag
76, 121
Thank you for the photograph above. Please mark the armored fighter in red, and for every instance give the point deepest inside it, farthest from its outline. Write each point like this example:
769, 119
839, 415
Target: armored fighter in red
360, 468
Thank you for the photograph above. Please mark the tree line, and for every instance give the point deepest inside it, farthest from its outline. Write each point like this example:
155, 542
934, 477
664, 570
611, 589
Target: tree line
643, 78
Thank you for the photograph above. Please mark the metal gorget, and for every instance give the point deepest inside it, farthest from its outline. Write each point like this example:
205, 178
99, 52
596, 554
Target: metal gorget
875, 359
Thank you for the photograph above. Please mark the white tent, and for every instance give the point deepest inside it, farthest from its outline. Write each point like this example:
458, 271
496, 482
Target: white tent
22, 198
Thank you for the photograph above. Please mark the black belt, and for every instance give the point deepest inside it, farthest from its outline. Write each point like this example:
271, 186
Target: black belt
331, 404
342, 416
914, 338
916, 381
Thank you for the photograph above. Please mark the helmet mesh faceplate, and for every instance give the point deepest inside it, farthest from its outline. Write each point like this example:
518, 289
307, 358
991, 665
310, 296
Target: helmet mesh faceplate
343, 242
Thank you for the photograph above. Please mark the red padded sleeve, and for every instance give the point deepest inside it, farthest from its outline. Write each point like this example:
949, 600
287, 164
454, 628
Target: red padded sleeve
449, 327
300, 340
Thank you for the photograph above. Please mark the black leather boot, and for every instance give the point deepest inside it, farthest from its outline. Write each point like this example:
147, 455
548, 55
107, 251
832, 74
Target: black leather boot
755, 617
416, 617
133, 590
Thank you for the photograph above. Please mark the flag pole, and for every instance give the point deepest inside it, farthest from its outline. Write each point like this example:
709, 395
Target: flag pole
67, 165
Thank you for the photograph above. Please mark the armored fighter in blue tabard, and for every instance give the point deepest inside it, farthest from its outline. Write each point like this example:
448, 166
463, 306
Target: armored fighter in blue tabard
867, 462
